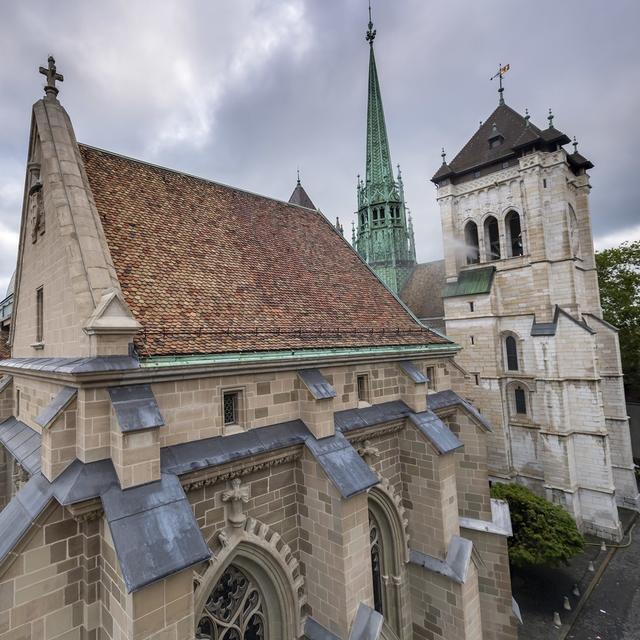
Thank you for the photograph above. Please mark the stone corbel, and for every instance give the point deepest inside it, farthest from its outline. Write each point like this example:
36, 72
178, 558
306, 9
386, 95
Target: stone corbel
236, 497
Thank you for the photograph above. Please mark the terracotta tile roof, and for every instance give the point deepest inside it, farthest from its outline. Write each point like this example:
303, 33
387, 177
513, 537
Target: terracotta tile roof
208, 268
422, 292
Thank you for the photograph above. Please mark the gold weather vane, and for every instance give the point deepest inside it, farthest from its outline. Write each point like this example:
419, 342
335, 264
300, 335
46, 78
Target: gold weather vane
501, 71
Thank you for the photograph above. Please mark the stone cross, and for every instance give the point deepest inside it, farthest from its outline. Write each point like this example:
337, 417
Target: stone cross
236, 496
52, 75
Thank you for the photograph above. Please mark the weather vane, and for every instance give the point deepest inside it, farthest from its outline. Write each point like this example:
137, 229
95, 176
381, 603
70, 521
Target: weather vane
371, 32
501, 71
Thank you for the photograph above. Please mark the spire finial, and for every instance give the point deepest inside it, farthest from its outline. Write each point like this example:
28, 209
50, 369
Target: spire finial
550, 118
527, 116
501, 71
52, 75
443, 155
371, 32
298, 172
575, 145
399, 173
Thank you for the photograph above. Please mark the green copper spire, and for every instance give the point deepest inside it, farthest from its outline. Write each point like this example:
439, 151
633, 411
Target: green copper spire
384, 238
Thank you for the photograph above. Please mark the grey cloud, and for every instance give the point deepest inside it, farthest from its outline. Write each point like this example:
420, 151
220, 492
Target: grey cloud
261, 87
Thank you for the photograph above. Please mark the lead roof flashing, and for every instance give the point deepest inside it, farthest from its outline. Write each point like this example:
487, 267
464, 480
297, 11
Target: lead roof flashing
550, 328
313, 630
76, 366
367, 625
455, 566
410, 369
135, 407
436, 432
5, 381
23, 443
48, 415
318, 386
449, 398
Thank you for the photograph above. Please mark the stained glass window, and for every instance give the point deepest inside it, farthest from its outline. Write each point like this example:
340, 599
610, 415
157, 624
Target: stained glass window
234, 610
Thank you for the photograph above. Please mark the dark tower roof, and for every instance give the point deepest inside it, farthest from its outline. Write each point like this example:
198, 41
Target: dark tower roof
301, 198
503, 135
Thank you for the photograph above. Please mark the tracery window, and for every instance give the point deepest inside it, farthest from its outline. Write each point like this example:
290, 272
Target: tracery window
376, 563
235, 609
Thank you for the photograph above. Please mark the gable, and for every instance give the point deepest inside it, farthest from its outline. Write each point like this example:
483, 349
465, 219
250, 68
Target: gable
206, 268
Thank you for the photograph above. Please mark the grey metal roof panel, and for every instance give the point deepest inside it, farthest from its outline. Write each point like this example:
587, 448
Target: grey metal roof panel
56, 407
84, 481
135, 407
348, 472
315, 631
319, 387
200, 454
433, 564
22, 442
74, 365
367, 625
436, 431
449, 398
543, 328
350, 419
413, 372
154, 531
5, 382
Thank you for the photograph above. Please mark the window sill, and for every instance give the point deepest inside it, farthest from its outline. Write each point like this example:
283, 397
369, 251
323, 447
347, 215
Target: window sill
232, 429
38, 346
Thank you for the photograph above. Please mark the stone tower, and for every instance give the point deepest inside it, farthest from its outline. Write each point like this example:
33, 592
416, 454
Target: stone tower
522, 298
384, 231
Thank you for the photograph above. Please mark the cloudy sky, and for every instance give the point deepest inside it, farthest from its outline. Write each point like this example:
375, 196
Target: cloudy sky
245, 91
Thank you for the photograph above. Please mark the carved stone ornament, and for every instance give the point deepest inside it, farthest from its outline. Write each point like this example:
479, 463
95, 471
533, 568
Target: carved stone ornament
236, 497
36, 211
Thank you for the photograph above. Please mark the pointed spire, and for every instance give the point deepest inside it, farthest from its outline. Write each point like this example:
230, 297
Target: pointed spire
550, 119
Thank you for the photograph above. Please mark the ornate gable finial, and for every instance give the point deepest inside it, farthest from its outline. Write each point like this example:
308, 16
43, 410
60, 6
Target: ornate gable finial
52, 75
443, 155
575, 145
298, 172
527, 117
550, 119
371, 32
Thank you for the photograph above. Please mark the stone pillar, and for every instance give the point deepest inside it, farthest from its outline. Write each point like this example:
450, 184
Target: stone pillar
334, 550
317, 414
136, 456
59, 443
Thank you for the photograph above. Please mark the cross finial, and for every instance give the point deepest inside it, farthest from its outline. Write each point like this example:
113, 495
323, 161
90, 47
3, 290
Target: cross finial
52, 75
550, 119
501, 71
298, 172
371, 32
527, 116
443, 155
575, 145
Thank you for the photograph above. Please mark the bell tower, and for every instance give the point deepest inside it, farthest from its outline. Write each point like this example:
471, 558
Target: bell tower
384, 235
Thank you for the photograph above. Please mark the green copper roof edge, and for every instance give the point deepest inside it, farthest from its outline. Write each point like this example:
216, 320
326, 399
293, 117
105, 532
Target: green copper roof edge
277, 356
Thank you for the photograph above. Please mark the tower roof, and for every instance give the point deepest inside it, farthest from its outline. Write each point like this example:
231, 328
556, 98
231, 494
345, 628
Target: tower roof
300, 197
502, 135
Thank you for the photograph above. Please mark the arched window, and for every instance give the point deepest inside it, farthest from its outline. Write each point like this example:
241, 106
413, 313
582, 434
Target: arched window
382, 214
375, 216
492, 238
520, 398
574, 233
235, 609
471, 242
363, 218
511, 347
375, 541
514, 234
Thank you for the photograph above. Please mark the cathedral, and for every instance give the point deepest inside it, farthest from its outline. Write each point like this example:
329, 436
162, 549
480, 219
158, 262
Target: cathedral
518, 292
193, 447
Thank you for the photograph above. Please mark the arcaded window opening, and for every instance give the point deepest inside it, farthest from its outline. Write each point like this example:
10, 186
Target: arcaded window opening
492, 238
471, 242
514, 233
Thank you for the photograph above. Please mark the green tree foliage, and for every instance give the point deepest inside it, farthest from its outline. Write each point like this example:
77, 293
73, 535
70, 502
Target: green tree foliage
543, 533
619, 278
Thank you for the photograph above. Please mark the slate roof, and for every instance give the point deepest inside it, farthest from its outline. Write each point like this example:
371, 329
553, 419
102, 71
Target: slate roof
74, 366
135, 407
450, 398
207, 268
22, 442
301, 198
62, 400
422, 291
516, 133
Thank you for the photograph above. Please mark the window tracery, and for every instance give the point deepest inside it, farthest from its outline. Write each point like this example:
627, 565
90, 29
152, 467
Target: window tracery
235, 609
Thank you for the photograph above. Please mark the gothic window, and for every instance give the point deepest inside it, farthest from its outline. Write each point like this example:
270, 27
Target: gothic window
230, 402
471, 242
376, 563
235, 609
39, 315
511, 347
382, 214
520, 398
514, 232
492, 238
375, 216
574, 233
363, 218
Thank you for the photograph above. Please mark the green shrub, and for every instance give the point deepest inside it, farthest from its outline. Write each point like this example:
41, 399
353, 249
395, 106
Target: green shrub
543, 533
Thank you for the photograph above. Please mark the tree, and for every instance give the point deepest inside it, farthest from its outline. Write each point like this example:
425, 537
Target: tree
619, 278
543, 533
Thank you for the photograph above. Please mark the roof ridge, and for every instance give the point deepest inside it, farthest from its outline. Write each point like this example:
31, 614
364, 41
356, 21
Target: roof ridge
195, 177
